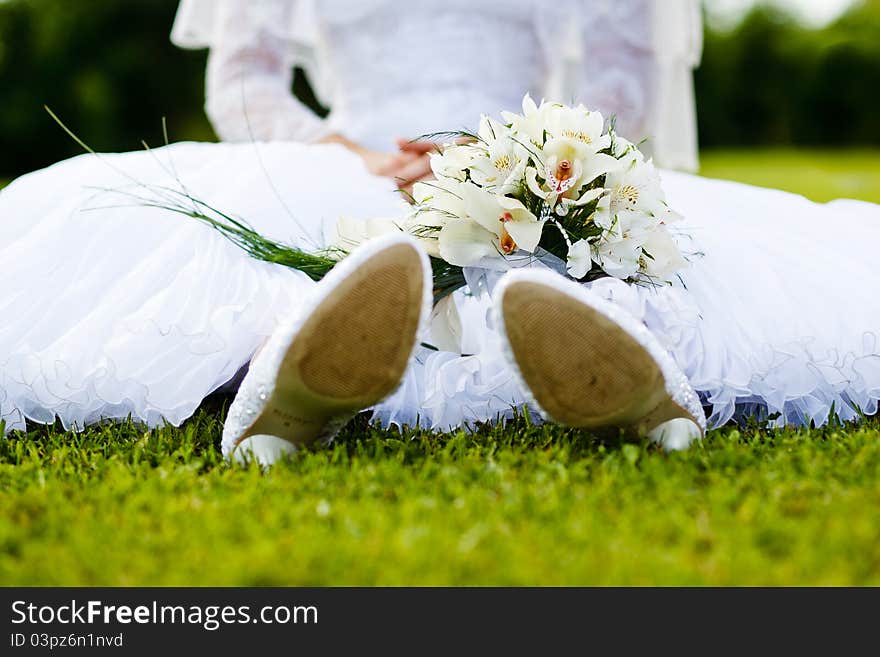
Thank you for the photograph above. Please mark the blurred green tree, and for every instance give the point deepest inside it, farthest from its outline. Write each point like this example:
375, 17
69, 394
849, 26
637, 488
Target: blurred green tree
109, 70
771, 81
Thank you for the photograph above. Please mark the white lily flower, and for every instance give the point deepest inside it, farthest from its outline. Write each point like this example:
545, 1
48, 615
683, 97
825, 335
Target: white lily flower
436, 203
662, 257
445, 327
578, 128
351, 232
620, 258
633, 190
565, 204
489, 224
502, 163
559, 154
623, 148
440, 197
454, 160
531, 122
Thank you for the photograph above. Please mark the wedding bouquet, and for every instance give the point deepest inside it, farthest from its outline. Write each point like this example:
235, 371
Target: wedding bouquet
552, 180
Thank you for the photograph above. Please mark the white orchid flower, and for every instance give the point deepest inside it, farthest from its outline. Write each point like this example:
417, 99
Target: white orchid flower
490, 224
563, 180
570, 158
463, 242
567, 166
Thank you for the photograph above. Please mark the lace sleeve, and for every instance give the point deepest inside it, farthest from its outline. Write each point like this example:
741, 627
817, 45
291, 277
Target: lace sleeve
253, 49
632, 59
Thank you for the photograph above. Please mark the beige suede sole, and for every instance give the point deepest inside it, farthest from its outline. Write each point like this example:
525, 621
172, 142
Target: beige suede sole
350, 353
581, 367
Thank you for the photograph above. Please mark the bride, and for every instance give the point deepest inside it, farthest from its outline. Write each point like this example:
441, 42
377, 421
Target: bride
113, 309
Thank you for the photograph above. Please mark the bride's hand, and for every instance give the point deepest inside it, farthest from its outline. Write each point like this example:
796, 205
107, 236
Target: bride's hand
377, 163
406, 167
419, 167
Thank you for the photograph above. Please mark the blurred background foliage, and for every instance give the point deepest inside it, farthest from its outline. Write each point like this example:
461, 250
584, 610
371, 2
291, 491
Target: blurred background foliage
108, 69
772, 81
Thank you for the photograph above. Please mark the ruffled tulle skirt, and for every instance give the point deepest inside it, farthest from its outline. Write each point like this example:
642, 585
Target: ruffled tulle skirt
111, 309
787, 322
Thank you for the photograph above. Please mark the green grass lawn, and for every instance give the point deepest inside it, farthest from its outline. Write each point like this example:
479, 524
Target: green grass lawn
117, 505
521, 505
819, 175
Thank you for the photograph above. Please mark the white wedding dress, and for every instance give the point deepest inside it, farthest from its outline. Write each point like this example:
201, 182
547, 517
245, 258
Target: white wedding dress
111, 309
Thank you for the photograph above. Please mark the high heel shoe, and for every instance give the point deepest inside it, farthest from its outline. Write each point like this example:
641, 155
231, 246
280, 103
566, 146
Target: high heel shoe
588, 363
347, 350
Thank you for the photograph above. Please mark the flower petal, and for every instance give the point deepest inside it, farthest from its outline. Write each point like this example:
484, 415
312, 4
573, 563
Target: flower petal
525, 233
463, 242
482, 207
580, 260
598, 164
532, 183
587, 197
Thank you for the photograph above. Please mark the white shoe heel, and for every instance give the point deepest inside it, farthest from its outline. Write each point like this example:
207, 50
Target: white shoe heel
348, 350
263, 449
586, 362
675, 435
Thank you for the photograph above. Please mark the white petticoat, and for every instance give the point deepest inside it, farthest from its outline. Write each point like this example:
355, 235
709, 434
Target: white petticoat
110, 309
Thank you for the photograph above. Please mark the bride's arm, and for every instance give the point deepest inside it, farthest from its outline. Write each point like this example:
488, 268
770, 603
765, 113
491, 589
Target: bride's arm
248, 86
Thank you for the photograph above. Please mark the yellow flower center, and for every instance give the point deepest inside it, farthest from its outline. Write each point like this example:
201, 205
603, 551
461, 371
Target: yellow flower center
580, 136
629, 195
503, 162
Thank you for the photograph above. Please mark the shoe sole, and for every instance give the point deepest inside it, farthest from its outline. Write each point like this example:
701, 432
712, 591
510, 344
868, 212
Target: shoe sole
581, 367
350, 353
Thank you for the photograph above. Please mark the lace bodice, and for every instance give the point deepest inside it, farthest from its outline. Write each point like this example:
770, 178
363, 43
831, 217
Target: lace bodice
432, 70
395, 68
